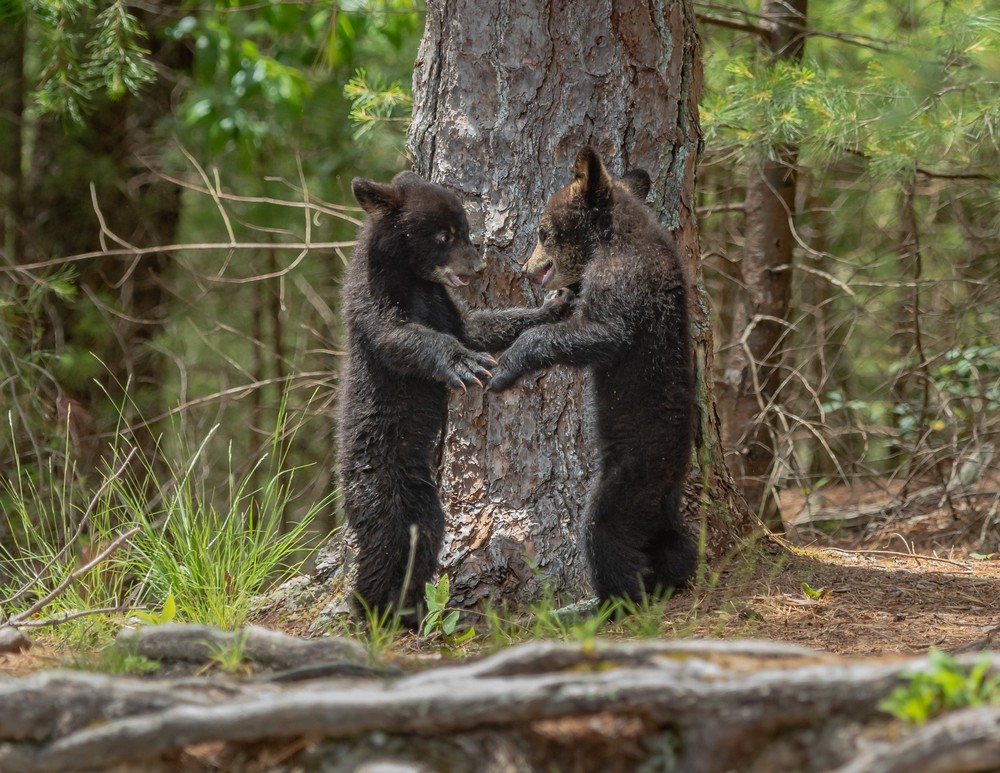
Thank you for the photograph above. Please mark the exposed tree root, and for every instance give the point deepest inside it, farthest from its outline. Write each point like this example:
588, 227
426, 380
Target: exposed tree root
202, 643
12, 640
962, 742
723, 704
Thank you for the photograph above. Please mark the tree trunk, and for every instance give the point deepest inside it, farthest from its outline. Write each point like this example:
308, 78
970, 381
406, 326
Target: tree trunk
101, 337
911, 384
11, 137
752, 373
505, 95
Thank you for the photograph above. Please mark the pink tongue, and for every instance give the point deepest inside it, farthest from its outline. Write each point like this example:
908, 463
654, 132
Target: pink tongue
541, 277
459, 281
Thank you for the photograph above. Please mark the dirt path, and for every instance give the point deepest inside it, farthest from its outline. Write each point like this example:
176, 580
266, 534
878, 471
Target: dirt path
865, 602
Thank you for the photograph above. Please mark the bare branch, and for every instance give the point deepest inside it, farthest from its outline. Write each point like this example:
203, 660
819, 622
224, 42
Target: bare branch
61, 588
239, 391
198, 246
729, 24
718, 208
76, 535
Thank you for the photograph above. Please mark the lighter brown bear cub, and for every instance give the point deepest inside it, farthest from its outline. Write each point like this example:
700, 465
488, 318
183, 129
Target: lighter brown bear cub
630, 330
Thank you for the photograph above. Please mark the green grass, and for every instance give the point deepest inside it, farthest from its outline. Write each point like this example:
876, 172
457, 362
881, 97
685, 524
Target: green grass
216, 552
110, 659
54, 530
205, 552
209, 552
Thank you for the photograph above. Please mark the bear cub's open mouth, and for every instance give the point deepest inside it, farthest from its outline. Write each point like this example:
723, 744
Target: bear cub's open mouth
544, 274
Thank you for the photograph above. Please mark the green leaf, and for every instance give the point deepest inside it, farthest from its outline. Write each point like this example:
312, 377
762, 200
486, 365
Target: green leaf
65, 290
469, 634
443, 592
169, 610
947, 685
430, 596
165, 615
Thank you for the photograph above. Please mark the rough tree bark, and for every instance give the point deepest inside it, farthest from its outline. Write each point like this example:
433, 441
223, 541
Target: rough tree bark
504, 96
752, 372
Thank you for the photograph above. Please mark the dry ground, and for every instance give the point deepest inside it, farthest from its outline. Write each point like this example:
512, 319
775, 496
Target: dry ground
892, 582
887, 585
871, 603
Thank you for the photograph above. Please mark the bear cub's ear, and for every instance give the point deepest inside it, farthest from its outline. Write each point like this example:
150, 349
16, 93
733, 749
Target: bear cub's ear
409, 180
592, 178
637, 182
374, 197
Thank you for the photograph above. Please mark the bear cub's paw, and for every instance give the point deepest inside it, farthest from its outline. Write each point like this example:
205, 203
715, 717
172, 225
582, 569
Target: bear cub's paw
504, 375
559, 303
468, 368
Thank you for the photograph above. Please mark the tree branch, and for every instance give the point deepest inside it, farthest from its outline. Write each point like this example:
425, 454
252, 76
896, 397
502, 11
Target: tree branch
729, 24
61, 588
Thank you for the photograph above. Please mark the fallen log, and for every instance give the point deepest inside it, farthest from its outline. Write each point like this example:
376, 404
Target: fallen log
719, 705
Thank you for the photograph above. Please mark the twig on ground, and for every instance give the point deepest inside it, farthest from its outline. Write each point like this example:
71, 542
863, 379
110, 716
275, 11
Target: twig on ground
34, 581
898, 554
116, 543
60, 619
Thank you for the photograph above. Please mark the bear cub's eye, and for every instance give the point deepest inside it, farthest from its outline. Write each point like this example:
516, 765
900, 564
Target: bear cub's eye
443, 237
543, 233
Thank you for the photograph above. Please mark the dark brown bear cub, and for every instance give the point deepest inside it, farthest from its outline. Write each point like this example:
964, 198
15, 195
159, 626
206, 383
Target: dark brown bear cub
407, 344
630, 328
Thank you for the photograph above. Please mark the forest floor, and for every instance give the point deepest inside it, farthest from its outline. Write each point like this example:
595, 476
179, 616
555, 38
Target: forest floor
895, 582
862, 601
855, 575
887, 585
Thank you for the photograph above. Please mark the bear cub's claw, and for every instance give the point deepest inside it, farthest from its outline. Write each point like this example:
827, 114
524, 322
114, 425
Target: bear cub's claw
471, 368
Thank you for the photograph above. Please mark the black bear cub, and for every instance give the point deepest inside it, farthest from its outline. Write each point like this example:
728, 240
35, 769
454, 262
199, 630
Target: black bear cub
407, 344
630, 328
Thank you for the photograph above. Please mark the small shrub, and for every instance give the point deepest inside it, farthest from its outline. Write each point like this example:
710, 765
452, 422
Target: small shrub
946, 686
438, 619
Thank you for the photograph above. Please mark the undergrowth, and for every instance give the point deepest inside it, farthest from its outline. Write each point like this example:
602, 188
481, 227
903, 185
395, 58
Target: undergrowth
151, 542
945, 686
87, 558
